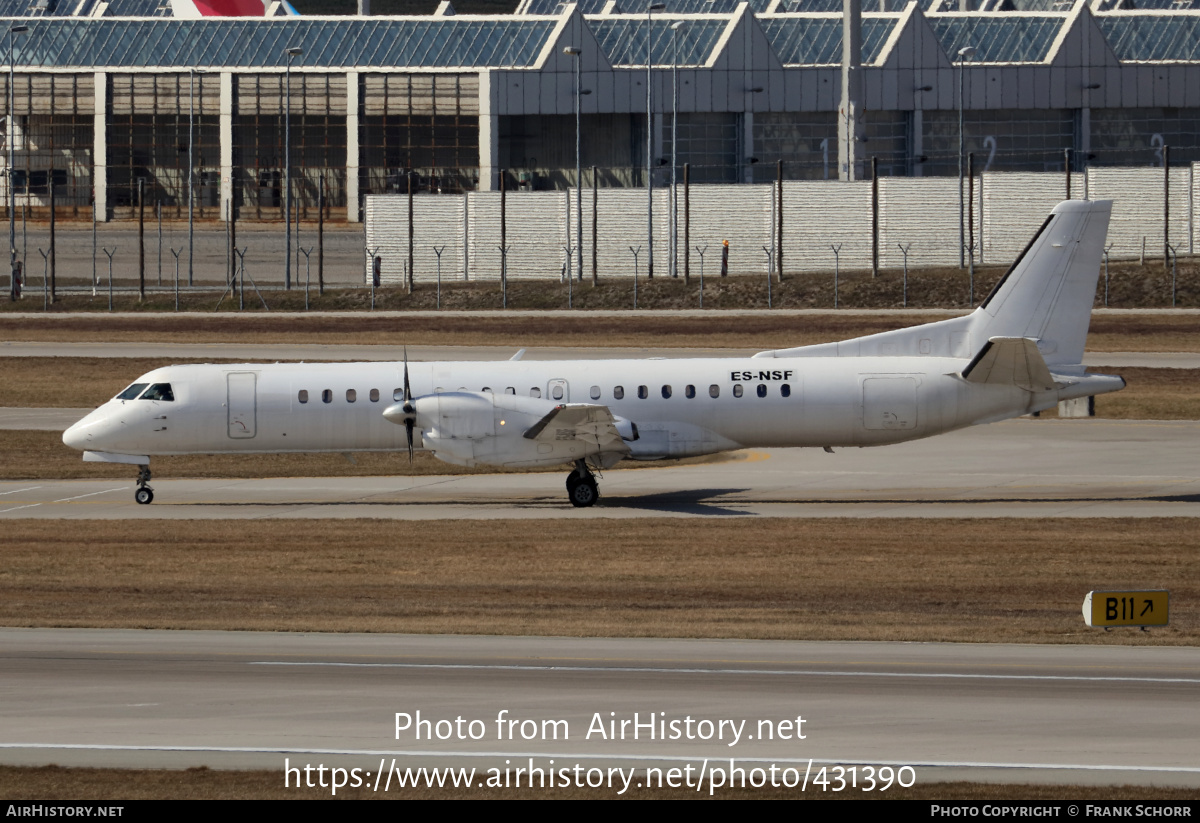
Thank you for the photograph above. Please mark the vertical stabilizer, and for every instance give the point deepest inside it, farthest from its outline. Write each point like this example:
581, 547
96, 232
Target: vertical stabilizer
1047, 295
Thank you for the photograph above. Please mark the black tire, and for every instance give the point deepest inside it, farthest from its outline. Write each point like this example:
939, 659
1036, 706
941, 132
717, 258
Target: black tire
582, 493
144, 495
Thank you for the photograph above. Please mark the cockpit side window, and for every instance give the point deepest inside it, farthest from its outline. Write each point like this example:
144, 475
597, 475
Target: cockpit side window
160, 391
132, 392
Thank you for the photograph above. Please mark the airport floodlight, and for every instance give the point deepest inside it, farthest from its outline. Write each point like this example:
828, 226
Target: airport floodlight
12, 192
295, 51
964, 54
577, 53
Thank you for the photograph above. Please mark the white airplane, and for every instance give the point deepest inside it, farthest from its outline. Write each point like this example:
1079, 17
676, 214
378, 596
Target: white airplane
1021, 351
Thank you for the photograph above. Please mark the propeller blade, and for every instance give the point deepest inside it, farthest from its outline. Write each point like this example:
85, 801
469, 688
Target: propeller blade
408, 406
409, 410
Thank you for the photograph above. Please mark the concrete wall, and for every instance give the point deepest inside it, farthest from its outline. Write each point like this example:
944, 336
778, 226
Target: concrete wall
920, 213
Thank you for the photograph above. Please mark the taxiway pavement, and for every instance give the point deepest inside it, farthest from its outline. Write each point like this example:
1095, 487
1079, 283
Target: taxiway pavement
1069, 714
1018, 468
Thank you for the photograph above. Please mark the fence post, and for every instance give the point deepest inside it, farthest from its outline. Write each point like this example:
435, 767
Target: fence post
53, 244
687, 223
595, 206
874, 216
141, 238
321, 235
1067, 166
779, 220
410, 232
904, 251
1166, 203
971, 212
836, 271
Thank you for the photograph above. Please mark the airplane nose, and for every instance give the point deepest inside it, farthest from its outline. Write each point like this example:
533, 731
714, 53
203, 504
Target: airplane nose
76, 436
88, 433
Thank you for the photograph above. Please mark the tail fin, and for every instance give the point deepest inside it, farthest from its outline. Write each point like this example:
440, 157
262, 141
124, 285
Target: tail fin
1046, 297
1047, 294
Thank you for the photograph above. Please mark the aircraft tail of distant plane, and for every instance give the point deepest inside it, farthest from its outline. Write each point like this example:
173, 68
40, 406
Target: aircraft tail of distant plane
197, 9
1045, 297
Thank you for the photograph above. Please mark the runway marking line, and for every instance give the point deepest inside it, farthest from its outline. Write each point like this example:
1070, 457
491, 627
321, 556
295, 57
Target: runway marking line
16, 508
817, 662
92, 494
768, 672
18, 491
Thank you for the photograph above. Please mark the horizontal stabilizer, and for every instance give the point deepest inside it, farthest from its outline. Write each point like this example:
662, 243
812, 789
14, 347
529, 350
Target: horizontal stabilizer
1011, 361
591, 424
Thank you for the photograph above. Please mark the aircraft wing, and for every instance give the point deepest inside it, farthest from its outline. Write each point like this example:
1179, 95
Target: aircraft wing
590, 424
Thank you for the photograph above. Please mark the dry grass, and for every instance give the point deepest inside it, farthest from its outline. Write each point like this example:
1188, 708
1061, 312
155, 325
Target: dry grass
1152, 394
912, 580
762, 331
52, 783
717, 330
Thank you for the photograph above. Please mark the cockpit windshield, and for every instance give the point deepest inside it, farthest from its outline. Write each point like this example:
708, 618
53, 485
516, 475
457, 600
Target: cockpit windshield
132, 392
159, 391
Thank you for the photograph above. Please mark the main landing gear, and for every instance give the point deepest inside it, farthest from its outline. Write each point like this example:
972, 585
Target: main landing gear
581, 486
144, 493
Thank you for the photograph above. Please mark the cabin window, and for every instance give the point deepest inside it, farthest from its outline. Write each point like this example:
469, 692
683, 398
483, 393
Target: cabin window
327, 396
737, 389
303, 396
785, 390
351, 395
714, 390
689, 392
160, 391
594, 393
618, 392
762, 389
510, 390
374, 395
643, 392
487, 389
557, 392
535, 392
666, 392
132, 392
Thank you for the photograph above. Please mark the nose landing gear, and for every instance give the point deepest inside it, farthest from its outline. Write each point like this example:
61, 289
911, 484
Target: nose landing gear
144, 493
581, 486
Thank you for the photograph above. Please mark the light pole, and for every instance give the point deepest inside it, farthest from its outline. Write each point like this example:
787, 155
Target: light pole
673, 255
579, 92
12, 190
293, 51
963, 54
650, 143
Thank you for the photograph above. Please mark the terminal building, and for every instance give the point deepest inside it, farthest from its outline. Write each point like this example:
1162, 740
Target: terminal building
104, 94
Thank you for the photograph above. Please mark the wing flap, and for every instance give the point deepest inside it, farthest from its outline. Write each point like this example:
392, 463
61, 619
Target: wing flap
586, 423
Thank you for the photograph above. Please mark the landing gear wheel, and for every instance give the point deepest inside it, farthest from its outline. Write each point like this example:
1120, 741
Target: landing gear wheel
144, 494
581, 488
